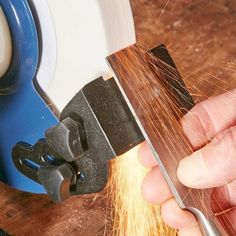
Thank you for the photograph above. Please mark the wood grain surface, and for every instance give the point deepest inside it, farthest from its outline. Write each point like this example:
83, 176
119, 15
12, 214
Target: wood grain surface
201, 38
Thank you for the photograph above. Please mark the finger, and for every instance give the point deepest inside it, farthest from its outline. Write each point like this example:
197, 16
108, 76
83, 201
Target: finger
231, 192
210, 117
155, 188
145, 156
176, 217
193, 231
212, 166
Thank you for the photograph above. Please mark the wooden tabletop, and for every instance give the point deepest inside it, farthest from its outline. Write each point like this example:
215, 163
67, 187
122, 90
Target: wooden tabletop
201, 38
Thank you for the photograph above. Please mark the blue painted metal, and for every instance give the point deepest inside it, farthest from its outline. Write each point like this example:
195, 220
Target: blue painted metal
24, 116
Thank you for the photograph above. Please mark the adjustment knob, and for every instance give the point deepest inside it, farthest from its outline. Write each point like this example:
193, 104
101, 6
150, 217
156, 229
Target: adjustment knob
57, 181
66, 139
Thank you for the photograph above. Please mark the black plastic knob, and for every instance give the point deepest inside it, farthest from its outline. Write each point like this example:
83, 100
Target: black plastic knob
66, 139
57, 181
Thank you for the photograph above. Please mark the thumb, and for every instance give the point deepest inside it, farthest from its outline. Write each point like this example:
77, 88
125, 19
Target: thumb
212, 166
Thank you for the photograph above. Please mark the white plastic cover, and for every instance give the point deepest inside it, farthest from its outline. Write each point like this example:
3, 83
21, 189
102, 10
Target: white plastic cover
5, 44
77, 36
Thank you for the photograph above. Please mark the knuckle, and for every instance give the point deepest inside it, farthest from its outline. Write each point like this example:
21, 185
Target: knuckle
205, 120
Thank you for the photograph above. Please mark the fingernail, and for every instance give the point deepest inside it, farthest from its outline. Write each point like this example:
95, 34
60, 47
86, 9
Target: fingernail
192, 170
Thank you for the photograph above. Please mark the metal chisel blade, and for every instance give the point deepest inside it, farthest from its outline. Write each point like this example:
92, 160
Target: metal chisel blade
138, 79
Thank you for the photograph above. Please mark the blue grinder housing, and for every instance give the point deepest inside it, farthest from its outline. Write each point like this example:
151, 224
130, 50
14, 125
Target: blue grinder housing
23, 113
94, 127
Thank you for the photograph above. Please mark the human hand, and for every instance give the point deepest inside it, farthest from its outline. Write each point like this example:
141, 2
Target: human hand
210, 128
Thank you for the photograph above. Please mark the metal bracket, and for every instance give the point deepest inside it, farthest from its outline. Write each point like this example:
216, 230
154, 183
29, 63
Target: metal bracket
94, 127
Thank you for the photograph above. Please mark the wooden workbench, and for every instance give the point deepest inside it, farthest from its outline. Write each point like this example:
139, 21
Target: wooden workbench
201, 37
